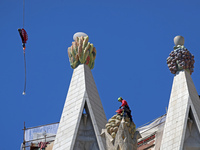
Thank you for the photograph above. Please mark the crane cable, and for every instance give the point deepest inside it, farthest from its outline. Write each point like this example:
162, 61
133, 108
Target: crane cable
24, 38
24, 92
23, 12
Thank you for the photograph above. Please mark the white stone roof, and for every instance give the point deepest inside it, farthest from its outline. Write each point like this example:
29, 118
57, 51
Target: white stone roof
184, 102
82, 90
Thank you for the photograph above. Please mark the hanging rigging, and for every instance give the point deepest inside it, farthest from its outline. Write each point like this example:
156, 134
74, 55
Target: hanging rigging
24, 36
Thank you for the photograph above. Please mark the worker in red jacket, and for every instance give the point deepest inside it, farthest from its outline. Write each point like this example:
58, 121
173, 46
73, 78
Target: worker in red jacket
125, 107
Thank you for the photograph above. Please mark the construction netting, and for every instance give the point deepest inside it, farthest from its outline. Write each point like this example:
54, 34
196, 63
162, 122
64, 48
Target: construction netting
36, 135
153, 131
47, 133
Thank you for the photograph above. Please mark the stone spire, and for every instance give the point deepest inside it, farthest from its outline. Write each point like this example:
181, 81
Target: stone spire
83, 116
182, 126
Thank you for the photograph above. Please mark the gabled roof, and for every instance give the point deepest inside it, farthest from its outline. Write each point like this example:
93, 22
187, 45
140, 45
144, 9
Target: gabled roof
82, 91
184, 100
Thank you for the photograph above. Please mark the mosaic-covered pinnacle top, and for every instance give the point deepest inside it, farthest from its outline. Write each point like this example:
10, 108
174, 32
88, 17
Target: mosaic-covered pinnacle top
81, 51
180, 58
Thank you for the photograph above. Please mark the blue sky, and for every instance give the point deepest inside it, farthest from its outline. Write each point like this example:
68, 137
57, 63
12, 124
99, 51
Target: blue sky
133, 38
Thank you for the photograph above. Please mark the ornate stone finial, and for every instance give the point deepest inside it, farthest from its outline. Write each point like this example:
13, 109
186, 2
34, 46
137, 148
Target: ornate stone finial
114, 123
81, 51
180, 58
120, 133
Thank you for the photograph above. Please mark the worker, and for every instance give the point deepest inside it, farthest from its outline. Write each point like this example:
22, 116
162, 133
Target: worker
125, 107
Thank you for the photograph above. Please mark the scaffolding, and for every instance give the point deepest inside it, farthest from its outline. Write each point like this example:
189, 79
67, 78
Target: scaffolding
39, 137
151, 133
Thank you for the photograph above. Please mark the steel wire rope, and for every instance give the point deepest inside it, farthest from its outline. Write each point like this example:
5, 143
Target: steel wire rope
24, 92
